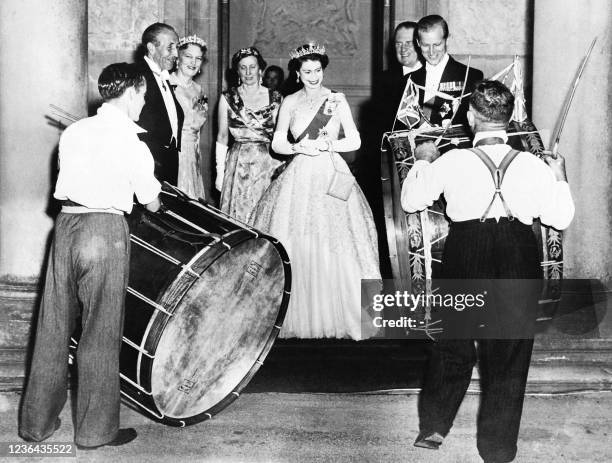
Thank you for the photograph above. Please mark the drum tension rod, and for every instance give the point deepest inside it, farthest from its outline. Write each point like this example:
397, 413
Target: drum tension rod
154, 250
133, 345
144, 298
137, 386
163, 255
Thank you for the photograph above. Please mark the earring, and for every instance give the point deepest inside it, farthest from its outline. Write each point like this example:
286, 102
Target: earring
239, 81
297, 78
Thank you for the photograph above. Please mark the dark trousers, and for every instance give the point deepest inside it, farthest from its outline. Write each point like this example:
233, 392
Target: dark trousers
166, 163
490, 250
87, 276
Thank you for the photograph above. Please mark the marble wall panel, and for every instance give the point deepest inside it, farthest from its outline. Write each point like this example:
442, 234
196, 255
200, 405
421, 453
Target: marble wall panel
488, 27
490, 31
344, 26
118, 24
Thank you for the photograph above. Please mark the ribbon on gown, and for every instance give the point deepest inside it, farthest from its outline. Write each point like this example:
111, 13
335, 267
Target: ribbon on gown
313, 130
254, 120
318, 122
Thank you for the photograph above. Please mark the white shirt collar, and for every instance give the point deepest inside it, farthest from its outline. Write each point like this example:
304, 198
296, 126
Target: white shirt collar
440, 66
491, 134
163, 74
110, 111
408, 70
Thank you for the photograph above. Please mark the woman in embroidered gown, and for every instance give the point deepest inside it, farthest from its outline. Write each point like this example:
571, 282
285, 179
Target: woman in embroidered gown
249, 113
331, 242
194, 103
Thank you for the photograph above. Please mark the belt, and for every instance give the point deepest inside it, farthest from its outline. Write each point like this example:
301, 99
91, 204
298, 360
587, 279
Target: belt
475, 223
70, 207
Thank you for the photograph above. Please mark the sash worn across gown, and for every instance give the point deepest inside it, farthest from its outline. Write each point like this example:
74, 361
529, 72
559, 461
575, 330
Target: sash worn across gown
249, 166
332, 243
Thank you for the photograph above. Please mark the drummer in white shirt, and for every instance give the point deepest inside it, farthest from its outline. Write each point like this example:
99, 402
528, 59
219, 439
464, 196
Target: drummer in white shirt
490, 237
103, 164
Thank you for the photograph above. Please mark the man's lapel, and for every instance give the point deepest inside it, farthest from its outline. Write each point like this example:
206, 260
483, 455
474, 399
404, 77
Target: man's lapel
153, 92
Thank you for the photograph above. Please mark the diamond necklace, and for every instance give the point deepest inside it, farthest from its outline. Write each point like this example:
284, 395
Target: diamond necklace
311, 102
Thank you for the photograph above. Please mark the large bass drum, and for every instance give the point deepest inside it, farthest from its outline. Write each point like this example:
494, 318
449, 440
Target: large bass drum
416, 241
206, 299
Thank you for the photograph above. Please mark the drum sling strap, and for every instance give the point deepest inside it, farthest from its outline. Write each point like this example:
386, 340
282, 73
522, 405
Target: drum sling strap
498, 177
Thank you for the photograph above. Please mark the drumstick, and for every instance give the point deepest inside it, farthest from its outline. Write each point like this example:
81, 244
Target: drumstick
64, 114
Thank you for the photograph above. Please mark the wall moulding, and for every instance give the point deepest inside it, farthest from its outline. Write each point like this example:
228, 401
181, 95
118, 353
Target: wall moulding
280, 25
18, 302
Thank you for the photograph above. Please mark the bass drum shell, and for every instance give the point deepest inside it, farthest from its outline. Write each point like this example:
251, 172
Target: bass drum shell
206, 300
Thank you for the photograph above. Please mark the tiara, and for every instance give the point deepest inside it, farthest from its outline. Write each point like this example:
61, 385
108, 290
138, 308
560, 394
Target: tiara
307, 50
248, 51
192, 39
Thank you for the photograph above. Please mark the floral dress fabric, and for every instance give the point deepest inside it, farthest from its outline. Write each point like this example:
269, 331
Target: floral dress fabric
249, 166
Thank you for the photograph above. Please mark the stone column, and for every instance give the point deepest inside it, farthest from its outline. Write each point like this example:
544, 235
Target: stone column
563, 31
43, 61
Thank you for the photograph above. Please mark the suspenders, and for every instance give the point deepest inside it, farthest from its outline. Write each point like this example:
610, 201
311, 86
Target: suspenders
498, 177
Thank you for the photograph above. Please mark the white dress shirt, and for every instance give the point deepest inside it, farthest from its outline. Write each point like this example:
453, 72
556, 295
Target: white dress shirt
162, 79
103, 163
529, 187
408, 70
433, 76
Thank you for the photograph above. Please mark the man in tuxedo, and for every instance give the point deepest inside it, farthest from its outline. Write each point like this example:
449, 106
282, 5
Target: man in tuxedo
441, 80
392, 81
162, 116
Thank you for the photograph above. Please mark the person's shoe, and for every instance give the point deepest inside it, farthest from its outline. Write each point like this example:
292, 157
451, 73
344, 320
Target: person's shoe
429, 441
124, 436
58, 423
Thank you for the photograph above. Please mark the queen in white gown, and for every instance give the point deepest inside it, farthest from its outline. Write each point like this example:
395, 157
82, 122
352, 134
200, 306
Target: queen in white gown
331, 242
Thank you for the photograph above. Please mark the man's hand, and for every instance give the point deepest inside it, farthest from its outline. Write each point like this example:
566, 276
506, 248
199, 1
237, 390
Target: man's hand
557, 164
427, 151
154, 205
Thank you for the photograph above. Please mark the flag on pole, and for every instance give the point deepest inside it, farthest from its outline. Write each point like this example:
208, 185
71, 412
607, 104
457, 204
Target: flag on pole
520, 112
409, 112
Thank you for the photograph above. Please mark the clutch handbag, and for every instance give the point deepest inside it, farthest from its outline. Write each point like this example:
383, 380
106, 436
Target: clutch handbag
341, 185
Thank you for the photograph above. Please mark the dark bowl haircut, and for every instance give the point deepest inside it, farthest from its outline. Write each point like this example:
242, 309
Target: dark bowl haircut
116, 78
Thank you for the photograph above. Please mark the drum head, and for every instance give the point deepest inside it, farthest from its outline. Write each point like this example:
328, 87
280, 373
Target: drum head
221, 328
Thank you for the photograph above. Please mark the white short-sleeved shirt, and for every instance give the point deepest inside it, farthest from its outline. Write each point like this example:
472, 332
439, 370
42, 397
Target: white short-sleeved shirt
103, 163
